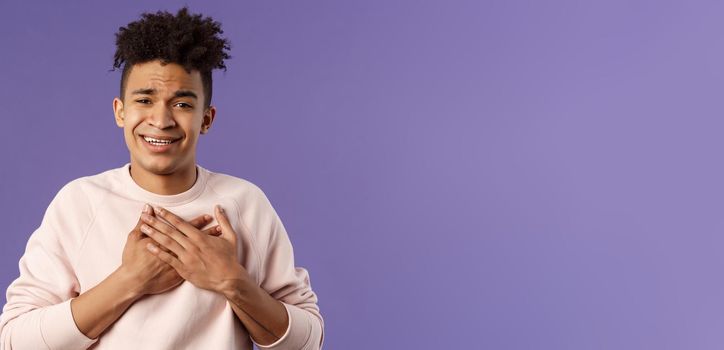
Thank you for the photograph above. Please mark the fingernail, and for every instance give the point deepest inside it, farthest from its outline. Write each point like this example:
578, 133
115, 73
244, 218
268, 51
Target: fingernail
146, 208
207, 217
221, 210
151, 247
144, 229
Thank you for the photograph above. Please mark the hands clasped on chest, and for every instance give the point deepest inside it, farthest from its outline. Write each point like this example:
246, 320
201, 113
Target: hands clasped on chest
160, 254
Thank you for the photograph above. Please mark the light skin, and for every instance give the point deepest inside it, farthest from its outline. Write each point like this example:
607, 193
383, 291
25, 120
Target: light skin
167, 101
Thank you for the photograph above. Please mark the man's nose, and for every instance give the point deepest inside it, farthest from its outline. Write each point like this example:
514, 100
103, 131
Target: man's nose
162, 117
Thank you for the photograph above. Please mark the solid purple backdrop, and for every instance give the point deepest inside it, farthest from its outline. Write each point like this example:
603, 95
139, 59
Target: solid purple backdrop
453, 174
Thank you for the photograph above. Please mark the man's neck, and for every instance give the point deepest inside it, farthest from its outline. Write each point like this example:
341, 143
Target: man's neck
171, 184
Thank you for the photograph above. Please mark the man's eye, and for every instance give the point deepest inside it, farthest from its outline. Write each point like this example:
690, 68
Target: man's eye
184, 105
144, 101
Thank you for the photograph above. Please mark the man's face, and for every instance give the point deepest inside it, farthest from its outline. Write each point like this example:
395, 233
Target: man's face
162, 117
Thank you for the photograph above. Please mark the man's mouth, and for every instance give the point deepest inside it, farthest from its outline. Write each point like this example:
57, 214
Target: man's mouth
160, 144
159, 140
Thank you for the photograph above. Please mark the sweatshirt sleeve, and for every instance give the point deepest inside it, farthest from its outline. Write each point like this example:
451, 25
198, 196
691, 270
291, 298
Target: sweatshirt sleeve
37, 313
291, 286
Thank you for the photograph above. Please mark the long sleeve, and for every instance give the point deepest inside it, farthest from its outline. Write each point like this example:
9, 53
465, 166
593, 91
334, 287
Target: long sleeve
290, 285
37, 313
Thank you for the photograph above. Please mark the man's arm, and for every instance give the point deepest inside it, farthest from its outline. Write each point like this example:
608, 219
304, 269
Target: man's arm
101, 306
290, 285
285, 282
37, 313
264, 317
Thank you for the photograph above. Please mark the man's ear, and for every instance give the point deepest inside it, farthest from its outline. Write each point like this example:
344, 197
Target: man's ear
118, 112
209, 116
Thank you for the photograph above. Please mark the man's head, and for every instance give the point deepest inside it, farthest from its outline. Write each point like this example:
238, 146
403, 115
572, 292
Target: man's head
185, 39
166, 86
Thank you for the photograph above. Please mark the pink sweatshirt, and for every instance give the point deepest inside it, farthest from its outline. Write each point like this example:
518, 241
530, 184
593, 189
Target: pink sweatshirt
80, 242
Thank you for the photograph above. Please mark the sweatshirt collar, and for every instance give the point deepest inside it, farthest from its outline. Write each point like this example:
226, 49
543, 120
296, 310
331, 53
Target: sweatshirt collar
138, 192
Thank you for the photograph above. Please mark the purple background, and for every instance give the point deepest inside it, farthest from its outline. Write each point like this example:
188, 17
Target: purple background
454, 174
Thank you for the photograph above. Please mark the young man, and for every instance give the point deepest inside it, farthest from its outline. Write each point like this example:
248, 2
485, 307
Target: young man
162, 253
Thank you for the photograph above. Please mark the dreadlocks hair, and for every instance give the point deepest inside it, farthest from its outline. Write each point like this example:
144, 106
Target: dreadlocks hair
185, 39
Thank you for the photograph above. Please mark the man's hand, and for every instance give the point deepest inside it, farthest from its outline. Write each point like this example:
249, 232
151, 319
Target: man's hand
151, 275
208, 262
211, 263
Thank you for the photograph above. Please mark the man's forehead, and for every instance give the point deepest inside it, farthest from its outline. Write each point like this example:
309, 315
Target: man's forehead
153, 75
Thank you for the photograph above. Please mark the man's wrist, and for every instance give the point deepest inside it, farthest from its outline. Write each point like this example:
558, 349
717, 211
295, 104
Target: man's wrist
134, 290
236, 285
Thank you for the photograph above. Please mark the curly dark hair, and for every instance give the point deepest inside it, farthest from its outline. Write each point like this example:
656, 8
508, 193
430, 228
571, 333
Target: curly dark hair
185, 39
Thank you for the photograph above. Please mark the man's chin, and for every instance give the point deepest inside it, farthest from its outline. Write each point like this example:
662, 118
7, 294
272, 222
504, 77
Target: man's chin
159, 167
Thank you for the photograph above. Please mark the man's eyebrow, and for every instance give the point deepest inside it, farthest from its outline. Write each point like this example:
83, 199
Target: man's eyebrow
144, 92
178, 93
185, 93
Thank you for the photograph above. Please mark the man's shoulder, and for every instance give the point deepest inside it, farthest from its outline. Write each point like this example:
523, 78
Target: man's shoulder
243, 191
229, 184
100, 181
78, 198
89, 186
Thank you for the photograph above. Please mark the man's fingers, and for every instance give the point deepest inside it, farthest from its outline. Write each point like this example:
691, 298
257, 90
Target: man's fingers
200, 221
227, 232
222, 219
138, 234
165, 257
178, 223
213, 231
151, 241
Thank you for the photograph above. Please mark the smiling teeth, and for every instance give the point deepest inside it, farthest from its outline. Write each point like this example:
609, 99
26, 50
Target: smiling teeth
157, 141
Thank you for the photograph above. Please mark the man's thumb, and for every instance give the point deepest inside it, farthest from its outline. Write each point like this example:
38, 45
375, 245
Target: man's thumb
226, 230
